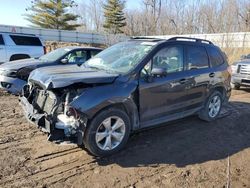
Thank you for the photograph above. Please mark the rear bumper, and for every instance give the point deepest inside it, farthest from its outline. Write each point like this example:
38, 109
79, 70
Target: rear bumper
12, 85
39, 120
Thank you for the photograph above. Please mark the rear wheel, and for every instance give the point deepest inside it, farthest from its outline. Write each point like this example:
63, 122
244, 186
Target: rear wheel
108, 132
212, 107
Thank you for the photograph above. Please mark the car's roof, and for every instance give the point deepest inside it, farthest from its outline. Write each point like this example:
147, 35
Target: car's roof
81, 47
19, 34
185, 40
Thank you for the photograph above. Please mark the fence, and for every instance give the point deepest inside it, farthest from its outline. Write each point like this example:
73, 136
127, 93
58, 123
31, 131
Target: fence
224, 40
65, 36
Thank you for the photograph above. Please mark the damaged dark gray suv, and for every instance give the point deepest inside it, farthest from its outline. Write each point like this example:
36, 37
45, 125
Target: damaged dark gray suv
132, 85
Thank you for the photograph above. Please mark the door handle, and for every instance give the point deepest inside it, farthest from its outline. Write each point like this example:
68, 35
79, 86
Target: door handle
183, 81
211, 75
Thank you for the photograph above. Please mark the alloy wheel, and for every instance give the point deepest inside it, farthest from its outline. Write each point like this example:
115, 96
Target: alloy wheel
110, 133
214, 106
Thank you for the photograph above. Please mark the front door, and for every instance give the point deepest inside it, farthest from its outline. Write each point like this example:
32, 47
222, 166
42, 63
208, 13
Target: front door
163, 97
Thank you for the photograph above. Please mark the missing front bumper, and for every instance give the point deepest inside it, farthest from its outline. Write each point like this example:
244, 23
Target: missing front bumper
46, 124
39, 120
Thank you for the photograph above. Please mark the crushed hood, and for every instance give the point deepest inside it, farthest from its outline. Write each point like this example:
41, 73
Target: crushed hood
62, 76
18, 64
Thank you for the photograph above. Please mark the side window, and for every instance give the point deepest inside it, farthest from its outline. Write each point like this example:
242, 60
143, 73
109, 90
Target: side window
93, 53
25, 40
1, 40
79, 56
215, 57
169, 58
196, 57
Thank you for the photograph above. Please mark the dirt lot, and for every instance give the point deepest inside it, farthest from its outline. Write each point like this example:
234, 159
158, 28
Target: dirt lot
187, 153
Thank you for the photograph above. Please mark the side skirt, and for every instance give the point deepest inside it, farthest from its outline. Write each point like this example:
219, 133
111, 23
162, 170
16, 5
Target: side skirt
169, 118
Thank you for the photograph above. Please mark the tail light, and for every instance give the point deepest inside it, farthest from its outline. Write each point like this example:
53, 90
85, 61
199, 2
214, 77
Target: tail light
44, 50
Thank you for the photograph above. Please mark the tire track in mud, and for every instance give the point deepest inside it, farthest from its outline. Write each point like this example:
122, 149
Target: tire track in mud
50, 166
54, 167
54, 164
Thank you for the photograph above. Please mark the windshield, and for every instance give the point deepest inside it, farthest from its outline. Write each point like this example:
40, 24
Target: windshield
120, 58
55, 54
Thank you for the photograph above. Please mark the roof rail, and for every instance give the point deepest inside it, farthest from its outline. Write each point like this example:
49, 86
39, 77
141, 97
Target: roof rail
191, 39
17, 33
147, 38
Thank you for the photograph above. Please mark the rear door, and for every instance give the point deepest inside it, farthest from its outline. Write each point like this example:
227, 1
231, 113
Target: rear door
198, 75
163, 98
2, 50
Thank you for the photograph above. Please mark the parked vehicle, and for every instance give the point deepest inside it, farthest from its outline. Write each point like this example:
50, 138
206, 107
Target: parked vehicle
245, 56
129, 86
14, 75
14, 46
241, 73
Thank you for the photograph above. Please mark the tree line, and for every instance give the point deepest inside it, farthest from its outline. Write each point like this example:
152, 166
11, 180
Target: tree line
150, 17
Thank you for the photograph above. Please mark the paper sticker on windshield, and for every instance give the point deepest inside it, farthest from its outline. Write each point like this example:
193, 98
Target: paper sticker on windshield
149, 43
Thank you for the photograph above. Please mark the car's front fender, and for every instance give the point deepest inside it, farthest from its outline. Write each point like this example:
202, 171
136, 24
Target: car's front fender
93, 100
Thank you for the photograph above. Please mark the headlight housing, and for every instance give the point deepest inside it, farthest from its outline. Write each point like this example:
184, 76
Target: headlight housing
9, 73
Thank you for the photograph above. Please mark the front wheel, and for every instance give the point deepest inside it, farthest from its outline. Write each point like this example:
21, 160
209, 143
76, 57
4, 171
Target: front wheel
212, 107
108, 132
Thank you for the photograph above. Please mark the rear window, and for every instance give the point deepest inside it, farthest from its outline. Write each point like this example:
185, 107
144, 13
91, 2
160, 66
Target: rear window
1, 40
215, 57
26, 41
197, 57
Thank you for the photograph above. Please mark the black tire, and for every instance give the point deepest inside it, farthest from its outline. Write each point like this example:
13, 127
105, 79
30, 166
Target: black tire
204, 113
90, 133
235, 86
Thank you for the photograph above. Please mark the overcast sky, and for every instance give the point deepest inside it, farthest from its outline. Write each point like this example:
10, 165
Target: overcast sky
11, 11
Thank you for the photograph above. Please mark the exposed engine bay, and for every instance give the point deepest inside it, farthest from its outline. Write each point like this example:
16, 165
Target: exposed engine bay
51, 111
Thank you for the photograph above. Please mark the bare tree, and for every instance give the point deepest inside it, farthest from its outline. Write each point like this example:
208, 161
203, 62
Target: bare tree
163, 17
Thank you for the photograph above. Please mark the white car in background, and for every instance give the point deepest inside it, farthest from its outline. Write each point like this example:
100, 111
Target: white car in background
14, 46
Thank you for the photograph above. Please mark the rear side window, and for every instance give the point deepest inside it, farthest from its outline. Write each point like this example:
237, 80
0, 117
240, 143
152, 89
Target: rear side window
1, 40
215, 57
26, 41
196, 57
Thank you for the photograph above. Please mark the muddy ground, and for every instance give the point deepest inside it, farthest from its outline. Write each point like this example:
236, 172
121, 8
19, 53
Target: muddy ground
186, 153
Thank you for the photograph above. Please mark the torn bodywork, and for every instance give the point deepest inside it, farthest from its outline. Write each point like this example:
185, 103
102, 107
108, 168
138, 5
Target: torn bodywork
63, 112
51, 112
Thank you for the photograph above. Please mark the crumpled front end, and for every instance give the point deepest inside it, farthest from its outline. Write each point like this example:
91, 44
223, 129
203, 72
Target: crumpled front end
50, 111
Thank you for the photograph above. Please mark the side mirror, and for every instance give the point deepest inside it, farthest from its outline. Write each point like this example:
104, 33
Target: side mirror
64, 61
159, 72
